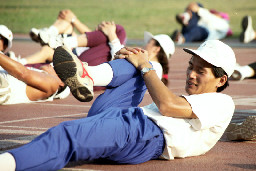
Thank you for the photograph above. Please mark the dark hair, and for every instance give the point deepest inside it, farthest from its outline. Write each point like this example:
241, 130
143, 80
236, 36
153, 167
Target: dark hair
5, 41
163, 60
219, 72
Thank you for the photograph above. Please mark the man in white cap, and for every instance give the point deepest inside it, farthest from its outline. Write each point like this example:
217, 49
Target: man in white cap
117, 129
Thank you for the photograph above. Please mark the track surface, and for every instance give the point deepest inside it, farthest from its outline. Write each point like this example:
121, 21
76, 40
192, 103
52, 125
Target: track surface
20, 123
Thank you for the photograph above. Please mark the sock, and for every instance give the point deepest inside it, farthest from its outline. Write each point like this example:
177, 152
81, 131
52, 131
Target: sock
53, 30
246, 71
101, 74
70, 42
7, 162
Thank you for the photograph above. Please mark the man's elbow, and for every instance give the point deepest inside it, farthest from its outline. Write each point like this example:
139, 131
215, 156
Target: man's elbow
165, 109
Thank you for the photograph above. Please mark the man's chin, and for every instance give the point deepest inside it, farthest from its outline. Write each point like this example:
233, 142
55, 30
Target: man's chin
189, 91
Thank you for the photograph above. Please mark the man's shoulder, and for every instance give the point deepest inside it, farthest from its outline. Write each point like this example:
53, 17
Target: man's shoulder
210, 97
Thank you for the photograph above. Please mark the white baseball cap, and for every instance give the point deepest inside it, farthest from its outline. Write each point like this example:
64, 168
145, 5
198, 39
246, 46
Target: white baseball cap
164, 40
5, 32
216, 53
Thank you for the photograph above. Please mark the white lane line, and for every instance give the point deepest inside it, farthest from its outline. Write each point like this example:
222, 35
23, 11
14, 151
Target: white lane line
22, 127
23, 132
64, 105
252, 111
38, 118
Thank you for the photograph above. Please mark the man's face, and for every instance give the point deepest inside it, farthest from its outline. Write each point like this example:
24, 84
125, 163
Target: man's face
200, 78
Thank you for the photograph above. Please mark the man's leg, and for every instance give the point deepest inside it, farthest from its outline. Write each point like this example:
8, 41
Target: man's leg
121, 135
126, 89
196, 33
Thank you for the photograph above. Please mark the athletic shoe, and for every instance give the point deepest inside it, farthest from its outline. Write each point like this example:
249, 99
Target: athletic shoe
177, 37
237, 75
4, 90
62, 93
34, 34
243, 131
73, 73
46, 35
248, 34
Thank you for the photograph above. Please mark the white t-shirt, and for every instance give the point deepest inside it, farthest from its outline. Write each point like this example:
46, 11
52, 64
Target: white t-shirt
193, 137
159, 69
217, 27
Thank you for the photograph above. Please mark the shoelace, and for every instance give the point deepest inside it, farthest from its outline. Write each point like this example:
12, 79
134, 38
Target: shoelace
85, 73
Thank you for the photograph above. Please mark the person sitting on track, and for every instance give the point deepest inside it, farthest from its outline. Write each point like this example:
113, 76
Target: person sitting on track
92, 46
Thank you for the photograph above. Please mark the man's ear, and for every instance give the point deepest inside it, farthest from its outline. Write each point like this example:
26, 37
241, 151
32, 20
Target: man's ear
222, 81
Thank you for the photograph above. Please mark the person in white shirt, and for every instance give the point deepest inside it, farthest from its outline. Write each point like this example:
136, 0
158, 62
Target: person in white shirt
117, 129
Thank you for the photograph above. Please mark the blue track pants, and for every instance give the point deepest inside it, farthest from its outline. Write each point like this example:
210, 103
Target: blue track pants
115, 129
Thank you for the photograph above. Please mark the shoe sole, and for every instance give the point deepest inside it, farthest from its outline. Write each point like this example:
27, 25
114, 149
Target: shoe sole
245, 131
65, 66
34, 37
246, 24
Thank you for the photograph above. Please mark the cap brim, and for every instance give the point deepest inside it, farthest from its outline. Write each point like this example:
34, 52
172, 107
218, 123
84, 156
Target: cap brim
190, 51
147, 36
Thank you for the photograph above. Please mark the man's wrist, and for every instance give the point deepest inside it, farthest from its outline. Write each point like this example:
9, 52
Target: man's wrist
145, 70
145, 65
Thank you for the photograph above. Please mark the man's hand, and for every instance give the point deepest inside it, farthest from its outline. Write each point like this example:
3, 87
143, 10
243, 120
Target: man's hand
67, 15
136, 56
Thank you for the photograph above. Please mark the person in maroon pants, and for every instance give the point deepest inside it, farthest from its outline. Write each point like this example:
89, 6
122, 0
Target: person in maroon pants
93, 47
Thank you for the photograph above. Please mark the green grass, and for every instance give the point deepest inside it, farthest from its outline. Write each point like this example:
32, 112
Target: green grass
156, 16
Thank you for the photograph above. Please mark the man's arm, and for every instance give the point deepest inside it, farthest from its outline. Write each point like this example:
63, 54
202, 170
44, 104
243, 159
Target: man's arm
167, 102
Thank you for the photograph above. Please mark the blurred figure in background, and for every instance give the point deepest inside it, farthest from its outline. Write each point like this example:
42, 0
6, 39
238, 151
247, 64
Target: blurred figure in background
199, 24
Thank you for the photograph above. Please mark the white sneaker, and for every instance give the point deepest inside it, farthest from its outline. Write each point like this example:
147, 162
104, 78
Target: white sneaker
4, 90
242, 131
237, 75
45, 35
34, 34
73, 73
248, 34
